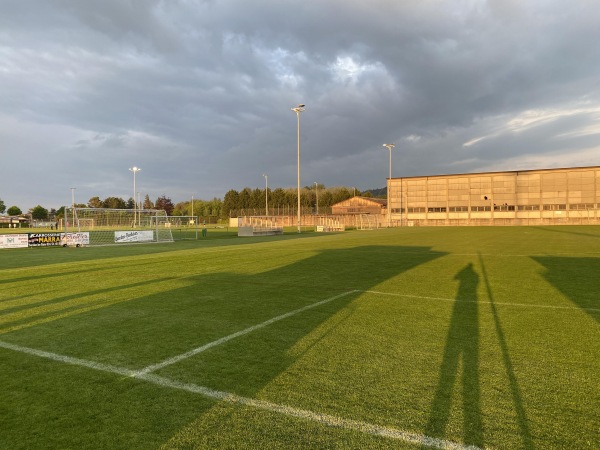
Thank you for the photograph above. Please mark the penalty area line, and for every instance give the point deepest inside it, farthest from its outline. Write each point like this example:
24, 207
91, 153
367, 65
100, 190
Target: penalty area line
522, 305
324, 419
195, 351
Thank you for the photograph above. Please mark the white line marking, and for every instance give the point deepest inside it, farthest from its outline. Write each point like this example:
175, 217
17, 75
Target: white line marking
325, 419
177, 358
525, 305
69, 359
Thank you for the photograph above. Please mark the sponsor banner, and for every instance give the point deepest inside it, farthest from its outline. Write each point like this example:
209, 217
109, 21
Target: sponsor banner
45, 239
80, 238
14, 240
134, 236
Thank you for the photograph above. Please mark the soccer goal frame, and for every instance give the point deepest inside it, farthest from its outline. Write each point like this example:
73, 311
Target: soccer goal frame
106, 226
368, 222
182, 227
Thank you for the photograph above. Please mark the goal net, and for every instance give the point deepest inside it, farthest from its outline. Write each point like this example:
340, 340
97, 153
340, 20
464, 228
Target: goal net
182, 227
367, 222
104, 226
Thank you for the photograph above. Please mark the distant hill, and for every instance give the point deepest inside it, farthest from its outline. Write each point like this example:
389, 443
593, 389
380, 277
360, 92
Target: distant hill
377, 193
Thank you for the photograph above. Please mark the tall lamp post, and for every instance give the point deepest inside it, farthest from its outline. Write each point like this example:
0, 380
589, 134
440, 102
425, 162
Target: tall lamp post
72, 207
389, 207
317, 193
298, 109
266, 195
135, 170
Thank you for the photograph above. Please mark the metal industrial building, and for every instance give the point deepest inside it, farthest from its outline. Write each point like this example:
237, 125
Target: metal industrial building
528, 197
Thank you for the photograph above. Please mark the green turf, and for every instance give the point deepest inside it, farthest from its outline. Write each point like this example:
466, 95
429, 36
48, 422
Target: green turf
487, 337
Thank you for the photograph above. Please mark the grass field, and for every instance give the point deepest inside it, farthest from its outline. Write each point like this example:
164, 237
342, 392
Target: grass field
401, 338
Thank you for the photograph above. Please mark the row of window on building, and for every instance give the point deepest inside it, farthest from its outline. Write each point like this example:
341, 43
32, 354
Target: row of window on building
505, 207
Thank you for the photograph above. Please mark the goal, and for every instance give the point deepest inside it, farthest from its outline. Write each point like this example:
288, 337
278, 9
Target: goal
367, 222
182, 227
105, 226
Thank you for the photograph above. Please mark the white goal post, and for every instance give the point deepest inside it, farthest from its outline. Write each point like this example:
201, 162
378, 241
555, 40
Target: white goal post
368, 222
105, 226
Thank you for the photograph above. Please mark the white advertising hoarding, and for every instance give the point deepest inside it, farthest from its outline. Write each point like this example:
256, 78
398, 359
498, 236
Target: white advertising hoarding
14, 241
134, 236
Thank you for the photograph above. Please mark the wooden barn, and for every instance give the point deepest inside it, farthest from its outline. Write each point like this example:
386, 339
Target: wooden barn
360, 205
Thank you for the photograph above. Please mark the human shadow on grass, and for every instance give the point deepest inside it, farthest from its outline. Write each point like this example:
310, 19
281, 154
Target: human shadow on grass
462, 348
154, 327
570, 229
577, 278
515, 390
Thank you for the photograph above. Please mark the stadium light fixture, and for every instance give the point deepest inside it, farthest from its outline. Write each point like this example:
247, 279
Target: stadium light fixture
298, 109
135, 170
266, 194
389, 207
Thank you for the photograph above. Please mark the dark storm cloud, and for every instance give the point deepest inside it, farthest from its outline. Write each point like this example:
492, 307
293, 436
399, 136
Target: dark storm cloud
198, 93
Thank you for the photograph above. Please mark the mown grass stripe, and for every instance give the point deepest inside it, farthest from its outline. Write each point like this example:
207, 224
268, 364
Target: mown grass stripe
525, 305
195, 351
325, 419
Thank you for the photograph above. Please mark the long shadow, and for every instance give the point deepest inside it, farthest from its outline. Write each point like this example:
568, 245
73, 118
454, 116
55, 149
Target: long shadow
569, 229
508, 365
462, 346
576, 278
154, 327
42, 256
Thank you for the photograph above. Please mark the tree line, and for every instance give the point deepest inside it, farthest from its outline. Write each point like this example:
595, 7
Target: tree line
280, 201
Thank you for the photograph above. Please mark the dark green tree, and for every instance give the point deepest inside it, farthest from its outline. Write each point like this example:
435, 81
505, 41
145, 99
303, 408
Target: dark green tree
148, 203
39, 213
2, 207
95, 202
14, 211
114, 203
230, 203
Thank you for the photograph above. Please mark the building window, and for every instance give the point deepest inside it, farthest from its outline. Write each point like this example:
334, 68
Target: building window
416, 210
528, 207
583, 206
437, 210
555, 207
459, 209
397, 210
481, 208
505, 207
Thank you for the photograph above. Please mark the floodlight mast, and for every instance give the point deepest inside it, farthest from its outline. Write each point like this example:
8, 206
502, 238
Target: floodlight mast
298, 109
389, 207
134, 169
266, 194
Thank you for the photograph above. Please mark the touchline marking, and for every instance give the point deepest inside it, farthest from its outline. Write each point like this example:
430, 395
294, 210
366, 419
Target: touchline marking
177, 358
325, 419
525, 305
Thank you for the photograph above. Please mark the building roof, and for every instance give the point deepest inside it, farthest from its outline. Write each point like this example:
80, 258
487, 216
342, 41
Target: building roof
499, 172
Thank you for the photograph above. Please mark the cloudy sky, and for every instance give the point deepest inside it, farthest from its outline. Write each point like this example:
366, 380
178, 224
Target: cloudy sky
197, 93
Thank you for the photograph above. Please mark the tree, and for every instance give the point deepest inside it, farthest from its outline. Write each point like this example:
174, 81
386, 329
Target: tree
14, 211
95, 202
130, 204
230, 203
165, 203
147, 203
39, 213
2, 207
114, 203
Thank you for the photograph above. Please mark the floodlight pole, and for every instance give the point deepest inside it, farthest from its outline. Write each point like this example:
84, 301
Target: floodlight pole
72, 208
298, 109
317, 193
389, 207
134, 169
266, 195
